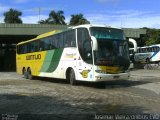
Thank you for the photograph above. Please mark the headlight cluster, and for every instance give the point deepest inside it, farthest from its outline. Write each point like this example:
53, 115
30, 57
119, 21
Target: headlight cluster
101, 71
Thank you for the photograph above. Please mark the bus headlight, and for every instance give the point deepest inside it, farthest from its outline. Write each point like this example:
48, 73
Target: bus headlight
101, 71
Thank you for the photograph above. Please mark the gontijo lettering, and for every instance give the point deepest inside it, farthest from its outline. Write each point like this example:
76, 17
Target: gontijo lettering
33, 57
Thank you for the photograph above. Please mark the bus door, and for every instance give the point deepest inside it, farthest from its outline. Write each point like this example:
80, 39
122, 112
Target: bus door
85, 61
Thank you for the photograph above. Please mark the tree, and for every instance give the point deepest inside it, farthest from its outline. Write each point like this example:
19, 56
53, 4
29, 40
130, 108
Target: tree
151, 37
154, 37
78, 19
12, 16
43, 21
54, 18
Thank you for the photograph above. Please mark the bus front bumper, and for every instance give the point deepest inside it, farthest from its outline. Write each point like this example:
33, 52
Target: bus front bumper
110, 77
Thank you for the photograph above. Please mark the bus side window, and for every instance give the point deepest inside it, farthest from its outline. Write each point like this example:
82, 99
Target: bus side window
20, 49
36, 46
25, 48
32, 47
50, 43
53, 42
156, 49
28, 48
73, 38
41, 46
56, 42
60, 39
46, 43
67, 43
69, 39
143, 49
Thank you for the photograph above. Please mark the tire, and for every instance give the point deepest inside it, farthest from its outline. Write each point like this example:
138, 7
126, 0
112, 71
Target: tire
72, 78
25, 73
29, 74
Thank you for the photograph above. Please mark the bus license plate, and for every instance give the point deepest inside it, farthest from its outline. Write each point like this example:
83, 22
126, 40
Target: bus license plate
116, 77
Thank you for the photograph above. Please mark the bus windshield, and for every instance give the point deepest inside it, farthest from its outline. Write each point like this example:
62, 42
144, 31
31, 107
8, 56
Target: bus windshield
112, 48
107, 33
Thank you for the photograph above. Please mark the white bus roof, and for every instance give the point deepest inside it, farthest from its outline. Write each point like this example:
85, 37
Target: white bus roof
90, 25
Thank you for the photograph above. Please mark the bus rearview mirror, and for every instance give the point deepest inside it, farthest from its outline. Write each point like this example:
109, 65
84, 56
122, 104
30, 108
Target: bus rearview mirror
134, 44
94, 43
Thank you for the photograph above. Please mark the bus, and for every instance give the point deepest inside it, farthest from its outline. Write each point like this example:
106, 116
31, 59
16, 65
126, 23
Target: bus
92, 53
147, 54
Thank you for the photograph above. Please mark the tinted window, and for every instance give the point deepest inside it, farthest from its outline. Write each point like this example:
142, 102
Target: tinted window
69, 39
60, 40
107, 33
84, 44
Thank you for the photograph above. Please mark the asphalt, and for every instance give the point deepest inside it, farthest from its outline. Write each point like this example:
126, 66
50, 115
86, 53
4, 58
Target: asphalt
151, 77
141, 73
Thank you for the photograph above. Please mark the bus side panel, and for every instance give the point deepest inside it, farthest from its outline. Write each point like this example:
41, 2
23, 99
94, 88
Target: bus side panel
72, 59
52, 65
155, 57
84, 71
34, 61
59, 61
141, 57
19, 67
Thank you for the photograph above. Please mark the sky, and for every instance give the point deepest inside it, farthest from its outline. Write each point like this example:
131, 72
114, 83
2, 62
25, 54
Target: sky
117, 13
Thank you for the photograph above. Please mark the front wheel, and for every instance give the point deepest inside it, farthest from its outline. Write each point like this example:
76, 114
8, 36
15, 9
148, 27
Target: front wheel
72, 78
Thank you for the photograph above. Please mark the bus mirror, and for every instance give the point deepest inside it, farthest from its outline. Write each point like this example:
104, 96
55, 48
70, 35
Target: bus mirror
134, 44
94, 43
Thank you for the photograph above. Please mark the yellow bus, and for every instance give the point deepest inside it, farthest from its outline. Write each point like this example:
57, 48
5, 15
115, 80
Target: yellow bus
91, 53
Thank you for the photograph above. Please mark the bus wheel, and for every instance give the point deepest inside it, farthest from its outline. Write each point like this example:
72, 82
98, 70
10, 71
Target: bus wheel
29, 74
25, 73
72, 78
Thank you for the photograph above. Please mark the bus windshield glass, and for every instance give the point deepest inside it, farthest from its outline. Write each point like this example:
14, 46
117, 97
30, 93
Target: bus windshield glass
107, 33
112, 47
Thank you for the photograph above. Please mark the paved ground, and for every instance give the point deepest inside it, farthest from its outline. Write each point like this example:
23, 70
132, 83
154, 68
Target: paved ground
150, 76
55, 99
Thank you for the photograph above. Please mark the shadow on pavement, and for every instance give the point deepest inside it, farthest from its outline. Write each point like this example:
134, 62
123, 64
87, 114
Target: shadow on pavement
38, 107
52, 80
114, 84
99, 85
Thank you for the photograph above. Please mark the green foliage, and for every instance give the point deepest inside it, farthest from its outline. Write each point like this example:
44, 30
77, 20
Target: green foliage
59, 19
78, 19
152, 37
43, 21
12, 16
54, 18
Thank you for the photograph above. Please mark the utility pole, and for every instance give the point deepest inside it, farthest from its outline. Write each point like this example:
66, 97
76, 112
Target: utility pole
1, 12
39, 13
